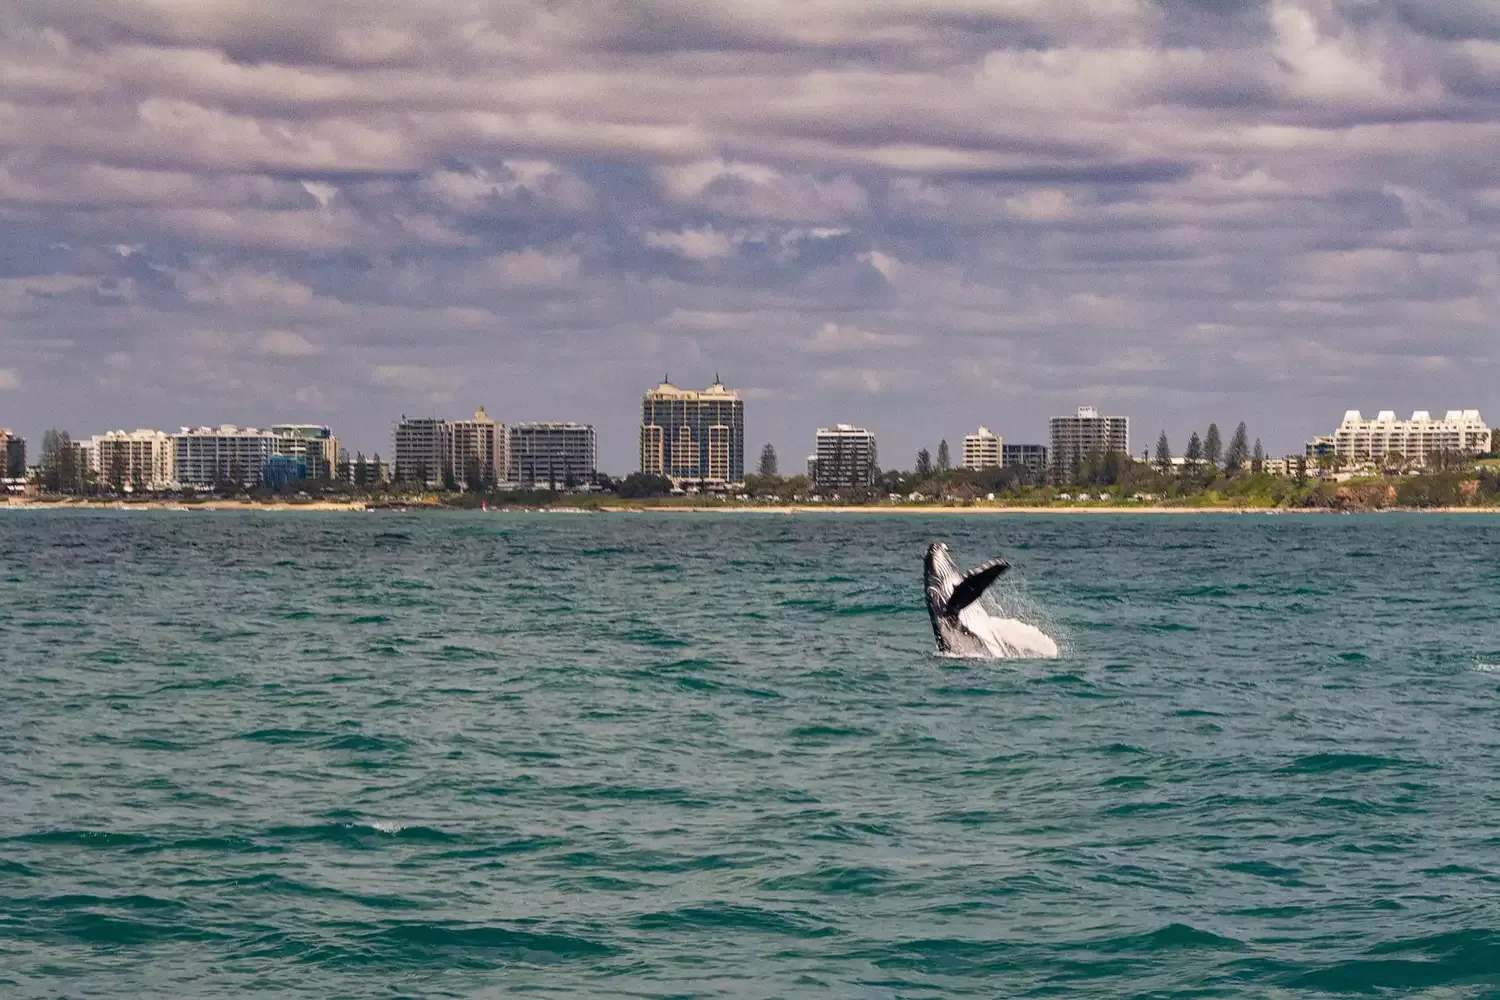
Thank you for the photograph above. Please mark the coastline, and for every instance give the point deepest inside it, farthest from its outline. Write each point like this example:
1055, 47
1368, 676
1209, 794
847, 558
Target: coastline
625, 507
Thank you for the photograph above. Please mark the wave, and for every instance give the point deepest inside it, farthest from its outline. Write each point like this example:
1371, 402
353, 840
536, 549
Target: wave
1324, 763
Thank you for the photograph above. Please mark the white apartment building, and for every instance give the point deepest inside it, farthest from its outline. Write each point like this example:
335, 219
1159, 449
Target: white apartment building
1459, 432
208, 456
846, 457
136, 460
982, 450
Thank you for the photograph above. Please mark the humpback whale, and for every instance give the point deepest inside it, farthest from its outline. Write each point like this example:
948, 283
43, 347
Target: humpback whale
961, 624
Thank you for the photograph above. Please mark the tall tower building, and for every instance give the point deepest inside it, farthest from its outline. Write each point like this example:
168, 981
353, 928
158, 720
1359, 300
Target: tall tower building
846, 458
479, 448
553, 454
1086, 433
692, 436
423, 449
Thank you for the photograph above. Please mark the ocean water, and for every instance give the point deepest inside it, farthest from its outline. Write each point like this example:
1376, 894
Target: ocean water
487, 755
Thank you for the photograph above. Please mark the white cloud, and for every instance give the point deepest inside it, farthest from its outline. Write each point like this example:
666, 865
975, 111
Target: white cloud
533, 267
286, 344
694, 244
1055, 199
9, 379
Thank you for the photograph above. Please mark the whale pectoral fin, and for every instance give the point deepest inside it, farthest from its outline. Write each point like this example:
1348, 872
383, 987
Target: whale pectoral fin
974, 584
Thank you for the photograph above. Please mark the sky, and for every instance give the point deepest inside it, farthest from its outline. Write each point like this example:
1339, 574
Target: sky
913, 215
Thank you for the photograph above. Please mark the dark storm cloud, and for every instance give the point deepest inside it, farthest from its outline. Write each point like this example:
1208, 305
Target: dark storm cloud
917, 214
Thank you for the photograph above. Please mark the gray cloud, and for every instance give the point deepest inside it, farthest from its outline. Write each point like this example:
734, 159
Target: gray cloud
917, 215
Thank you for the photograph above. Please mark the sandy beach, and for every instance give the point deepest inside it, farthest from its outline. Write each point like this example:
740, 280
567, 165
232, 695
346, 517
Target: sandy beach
17, 503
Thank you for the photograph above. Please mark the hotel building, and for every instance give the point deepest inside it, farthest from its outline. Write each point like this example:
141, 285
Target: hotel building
690, 436
982, 450
1459, 432
846, 458
552, 454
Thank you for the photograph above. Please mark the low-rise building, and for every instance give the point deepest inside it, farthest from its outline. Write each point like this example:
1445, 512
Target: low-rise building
1417, 441
1031, 457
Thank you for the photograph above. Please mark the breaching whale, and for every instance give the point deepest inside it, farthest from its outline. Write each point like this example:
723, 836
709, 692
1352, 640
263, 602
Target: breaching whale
959, 621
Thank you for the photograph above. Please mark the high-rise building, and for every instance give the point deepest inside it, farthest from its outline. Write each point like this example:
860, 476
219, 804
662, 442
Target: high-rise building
12, 455
982, 450
136, 460
552, 454
424, 449
430, 450
846, 458
209, 456
1087, 433
478, 450
692, 436
1418, 440
313, 445
1032, 457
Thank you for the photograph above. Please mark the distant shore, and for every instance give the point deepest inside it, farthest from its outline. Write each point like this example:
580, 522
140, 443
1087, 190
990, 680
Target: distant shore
629, 507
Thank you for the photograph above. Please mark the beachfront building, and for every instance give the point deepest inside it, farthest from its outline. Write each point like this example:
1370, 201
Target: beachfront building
846, 458
552, 455
434, 451
1417, 441
138, 461
1319, 447
690, 436
477, 450
12, 455
312, 447
1086, 433
424, 449
211, 456
1031, 457
982, 450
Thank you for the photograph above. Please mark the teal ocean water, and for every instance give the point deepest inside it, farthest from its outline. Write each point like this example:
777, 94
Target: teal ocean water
482, 755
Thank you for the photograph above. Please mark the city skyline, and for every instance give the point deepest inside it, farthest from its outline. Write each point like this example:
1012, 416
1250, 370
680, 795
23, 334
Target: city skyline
931, 216
1074, 428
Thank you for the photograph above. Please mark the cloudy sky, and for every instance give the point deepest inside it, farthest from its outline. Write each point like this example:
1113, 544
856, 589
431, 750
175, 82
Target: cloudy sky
916, 215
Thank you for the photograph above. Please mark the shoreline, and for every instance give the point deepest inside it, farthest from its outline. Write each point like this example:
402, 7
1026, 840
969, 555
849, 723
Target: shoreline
326, 506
